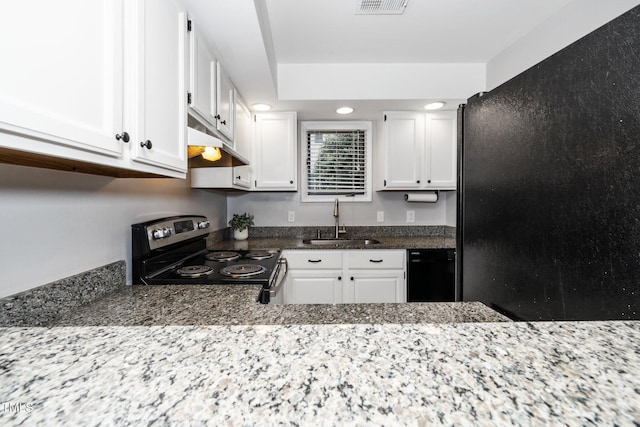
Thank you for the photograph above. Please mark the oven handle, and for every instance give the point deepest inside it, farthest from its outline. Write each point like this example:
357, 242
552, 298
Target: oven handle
278, 283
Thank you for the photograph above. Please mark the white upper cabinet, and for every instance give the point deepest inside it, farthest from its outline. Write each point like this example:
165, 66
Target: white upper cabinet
88, 82
158, 51
403, 144
419, 151
441, 147
225, 103
203, 78
62, 76
243, 142
211, 89
275, 151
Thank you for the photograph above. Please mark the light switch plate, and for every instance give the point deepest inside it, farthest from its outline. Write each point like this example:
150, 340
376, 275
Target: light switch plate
411, 216
380, 216
292, 216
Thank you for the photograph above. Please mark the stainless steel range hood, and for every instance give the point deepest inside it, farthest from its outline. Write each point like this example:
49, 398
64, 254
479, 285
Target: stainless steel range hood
199, 136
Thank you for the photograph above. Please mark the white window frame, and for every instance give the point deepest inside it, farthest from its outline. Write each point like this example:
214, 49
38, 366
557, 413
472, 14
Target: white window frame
365, 126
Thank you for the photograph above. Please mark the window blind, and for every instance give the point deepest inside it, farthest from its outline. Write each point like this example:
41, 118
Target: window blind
336, 162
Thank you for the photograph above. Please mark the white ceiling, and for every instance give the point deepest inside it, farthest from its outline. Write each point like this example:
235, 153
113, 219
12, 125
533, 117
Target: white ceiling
253, 37
328, 31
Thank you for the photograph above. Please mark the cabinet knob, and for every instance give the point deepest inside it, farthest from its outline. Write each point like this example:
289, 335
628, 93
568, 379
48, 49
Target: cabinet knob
418, 182
122, 136
217, 117
429, 181
291, 182
224, 122
238, 177
339, 277
351, 278
147, 144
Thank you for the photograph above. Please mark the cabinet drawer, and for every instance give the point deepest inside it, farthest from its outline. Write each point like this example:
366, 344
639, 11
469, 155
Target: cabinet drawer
375, 259
314, 260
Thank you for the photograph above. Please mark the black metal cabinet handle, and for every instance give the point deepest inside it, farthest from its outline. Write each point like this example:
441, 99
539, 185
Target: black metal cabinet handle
217, 117
122, 136
339, 277
429, 181
238, 177
418, 182
224, 122
314, 260
147, 144
376, 260
291, 182
351, 278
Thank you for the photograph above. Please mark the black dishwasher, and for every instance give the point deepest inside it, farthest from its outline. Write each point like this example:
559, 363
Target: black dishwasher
431, 275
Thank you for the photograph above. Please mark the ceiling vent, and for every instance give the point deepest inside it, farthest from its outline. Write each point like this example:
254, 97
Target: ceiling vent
381, 7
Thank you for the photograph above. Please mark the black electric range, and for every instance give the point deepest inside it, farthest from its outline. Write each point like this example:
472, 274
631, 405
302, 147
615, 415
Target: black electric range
173, 251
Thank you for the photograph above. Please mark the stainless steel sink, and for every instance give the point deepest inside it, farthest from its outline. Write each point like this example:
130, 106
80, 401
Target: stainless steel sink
340, 241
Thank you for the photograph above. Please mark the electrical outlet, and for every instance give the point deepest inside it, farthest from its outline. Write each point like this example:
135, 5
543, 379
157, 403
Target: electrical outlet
380, 217
292, 216
411, 216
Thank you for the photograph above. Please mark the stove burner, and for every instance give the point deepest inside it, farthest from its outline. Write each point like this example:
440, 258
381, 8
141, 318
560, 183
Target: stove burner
194, 271
242, 270
259, 255
222, 256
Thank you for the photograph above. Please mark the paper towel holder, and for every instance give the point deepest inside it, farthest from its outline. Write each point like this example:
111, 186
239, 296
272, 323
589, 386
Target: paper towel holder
423, 197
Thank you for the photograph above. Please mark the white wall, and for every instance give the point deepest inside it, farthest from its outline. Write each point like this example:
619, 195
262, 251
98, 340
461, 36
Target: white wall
571, 23
56, 224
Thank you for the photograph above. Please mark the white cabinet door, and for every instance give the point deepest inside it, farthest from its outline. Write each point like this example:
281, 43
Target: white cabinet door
225, 103
441, 148
61, 76
203, 78
275, 152
157, 58
313, 287
243, 140
404, 142
381, 286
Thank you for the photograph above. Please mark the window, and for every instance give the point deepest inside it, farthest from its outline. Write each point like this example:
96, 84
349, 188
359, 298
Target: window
336, 161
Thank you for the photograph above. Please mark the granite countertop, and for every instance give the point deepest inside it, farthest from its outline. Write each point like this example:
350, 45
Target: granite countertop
566, 373
386, 242
237, 305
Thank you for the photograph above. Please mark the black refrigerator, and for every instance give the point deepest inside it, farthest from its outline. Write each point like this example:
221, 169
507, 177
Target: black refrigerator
549, 184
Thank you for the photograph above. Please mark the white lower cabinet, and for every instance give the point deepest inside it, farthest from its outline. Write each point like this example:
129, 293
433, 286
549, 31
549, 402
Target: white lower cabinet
345, 276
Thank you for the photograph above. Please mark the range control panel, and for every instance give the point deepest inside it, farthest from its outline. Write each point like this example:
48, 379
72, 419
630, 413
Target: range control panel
173, 230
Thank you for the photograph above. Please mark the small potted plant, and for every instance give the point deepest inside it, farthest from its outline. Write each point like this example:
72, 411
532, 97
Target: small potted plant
240, 224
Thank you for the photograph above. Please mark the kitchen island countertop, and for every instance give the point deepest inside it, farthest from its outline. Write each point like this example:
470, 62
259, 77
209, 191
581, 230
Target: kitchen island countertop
505, 373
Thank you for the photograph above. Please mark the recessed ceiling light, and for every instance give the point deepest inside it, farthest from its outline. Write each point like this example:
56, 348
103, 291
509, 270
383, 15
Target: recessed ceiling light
261, 107
344, 110
434, 105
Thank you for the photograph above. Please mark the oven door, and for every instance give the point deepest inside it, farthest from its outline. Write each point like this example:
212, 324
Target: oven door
275, 293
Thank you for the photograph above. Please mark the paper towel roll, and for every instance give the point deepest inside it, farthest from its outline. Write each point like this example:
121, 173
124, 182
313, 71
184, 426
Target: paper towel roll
429, 197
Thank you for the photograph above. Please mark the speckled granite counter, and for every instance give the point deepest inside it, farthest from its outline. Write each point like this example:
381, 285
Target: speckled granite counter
386, 242
323, 375
236, 305
390, 237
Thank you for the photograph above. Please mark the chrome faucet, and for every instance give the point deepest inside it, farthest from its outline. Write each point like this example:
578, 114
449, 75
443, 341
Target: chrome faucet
336, 215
